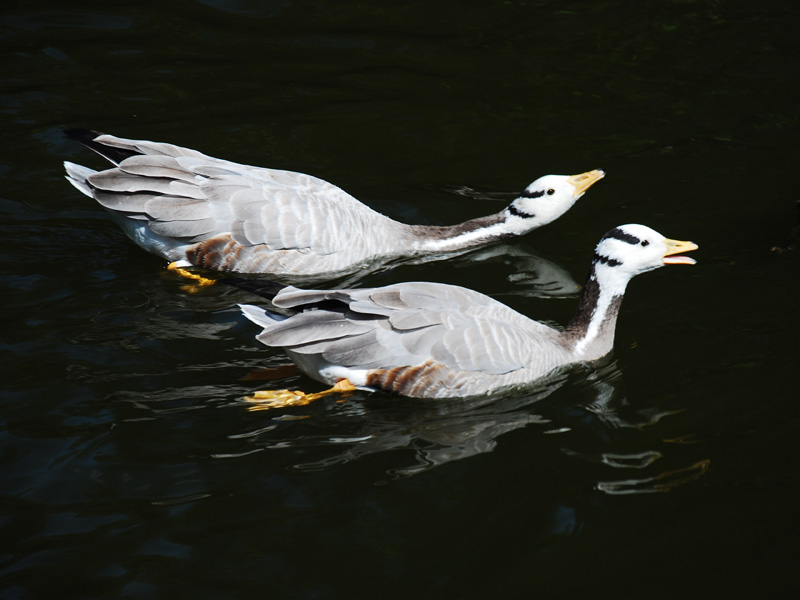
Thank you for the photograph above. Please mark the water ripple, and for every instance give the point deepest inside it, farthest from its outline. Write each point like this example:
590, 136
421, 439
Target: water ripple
663, 482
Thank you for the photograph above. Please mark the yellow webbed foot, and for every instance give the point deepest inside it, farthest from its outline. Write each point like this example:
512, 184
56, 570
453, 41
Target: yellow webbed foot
266, 399
201, 281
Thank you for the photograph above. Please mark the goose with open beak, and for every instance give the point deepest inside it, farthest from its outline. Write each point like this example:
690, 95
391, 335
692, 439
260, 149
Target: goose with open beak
431, 340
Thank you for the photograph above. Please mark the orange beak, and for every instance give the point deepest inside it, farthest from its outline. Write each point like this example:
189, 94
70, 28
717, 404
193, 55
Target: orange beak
674, 247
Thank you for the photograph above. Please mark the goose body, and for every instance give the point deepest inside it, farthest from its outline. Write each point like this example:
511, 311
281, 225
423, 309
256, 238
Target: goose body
433, 340
200, 211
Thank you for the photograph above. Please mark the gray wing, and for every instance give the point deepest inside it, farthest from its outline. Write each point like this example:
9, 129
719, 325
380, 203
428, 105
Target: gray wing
185, 194
408, 324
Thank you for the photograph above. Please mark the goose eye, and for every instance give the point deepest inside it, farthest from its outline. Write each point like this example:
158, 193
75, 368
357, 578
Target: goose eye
645, 243
550, 192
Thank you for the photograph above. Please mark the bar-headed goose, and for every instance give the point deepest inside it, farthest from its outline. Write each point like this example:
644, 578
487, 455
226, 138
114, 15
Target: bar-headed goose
432, 340
195, 210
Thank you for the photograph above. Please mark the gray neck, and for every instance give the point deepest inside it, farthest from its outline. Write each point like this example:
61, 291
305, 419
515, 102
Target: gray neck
471, 233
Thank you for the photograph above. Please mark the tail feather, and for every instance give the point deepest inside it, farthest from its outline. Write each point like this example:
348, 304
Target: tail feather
260, 316
77, 175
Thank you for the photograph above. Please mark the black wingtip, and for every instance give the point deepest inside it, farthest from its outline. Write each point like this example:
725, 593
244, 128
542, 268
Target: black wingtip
82, 136
261, 287
88, 137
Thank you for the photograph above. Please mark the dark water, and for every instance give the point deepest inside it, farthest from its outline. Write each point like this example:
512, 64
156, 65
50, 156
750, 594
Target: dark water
130, 467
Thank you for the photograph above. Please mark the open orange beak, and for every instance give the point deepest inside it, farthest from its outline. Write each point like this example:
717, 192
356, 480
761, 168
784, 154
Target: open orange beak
674, 247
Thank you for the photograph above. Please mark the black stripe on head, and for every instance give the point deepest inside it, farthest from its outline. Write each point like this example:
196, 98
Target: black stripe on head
611, 262
528, 194
513, 210
620, 235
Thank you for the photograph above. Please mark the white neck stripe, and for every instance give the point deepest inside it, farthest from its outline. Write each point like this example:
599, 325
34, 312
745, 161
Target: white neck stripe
465, 239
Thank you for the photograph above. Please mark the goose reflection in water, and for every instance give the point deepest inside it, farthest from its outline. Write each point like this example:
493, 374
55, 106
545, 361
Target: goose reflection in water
642, 471
532, 274
437, 433
584, 407
585, 400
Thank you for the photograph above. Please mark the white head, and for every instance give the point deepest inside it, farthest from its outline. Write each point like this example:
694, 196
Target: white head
628, 250
548, 198
622, 253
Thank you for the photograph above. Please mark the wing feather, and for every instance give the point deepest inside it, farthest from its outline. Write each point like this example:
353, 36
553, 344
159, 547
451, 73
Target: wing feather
412, 323
312, 327
171, 208
129, 203
165, 167
116, 180
415, 319
187, 195
184, 229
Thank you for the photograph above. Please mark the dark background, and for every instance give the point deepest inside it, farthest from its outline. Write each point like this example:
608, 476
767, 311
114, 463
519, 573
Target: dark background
130, 467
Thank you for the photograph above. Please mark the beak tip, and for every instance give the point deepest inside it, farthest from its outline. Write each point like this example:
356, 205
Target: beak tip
679, 260
586, 180
674, 247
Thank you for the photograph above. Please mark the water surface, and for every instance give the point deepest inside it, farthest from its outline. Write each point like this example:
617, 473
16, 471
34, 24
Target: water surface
131, 467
